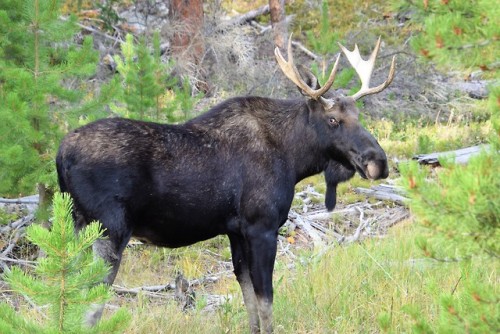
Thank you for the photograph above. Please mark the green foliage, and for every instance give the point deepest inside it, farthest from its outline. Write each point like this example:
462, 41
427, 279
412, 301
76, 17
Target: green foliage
384, 320
68, 280
107, 14
6, 217
424, 144
35, 59
324, 41
458, 210
458, 206
459, 32
334, 17
150, 91
471, 307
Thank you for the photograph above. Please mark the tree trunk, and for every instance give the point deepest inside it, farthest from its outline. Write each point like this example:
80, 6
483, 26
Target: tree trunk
280, 31
45, 196
187, 19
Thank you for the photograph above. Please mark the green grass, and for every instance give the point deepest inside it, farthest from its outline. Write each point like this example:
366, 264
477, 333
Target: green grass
361, 288
404, 141
349, 288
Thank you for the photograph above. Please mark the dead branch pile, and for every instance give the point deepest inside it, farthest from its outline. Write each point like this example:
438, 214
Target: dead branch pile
349, 223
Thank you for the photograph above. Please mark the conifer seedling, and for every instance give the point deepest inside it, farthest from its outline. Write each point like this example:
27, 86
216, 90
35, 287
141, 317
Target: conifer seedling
65, 283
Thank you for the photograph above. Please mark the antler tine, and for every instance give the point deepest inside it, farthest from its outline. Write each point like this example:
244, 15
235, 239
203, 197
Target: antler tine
364, 68
291, 72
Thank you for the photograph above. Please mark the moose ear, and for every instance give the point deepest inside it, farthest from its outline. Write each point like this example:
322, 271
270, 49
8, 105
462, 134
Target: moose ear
309, 78
335, 173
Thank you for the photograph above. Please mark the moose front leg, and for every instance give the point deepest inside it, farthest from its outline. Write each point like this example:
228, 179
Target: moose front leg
262, 248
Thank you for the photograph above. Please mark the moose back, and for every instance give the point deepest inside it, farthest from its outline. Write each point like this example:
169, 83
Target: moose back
229, 171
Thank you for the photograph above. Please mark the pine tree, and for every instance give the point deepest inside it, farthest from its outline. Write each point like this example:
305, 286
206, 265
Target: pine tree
68, 280
459, 212
460, 219
458, 32
150, 90
457, 207
37, 58
324, 42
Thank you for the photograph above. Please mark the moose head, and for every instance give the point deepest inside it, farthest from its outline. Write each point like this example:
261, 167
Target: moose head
352, 148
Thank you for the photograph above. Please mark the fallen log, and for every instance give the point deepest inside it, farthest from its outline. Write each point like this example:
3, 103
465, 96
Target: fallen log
461, 156
385, 193
476, 89
315, 235
249, 16
23, 200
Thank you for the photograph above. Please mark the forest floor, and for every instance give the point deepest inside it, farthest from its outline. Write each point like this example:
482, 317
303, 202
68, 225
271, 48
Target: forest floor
240, 61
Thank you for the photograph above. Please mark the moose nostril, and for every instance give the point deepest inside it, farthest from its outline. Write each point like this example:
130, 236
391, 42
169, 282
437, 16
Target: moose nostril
372, 170
377, 170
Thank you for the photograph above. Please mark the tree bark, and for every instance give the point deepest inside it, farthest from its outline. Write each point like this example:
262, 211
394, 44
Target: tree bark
278, 22
187, 18
45, 196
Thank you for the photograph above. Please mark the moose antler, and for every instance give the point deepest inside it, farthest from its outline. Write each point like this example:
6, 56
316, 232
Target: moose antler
290, 70
364, 68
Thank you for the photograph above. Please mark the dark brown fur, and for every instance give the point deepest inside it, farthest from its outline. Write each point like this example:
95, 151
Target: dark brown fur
229, 171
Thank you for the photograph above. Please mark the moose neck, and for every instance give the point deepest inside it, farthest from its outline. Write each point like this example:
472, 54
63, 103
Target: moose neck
282, 126
305, 152
298, 138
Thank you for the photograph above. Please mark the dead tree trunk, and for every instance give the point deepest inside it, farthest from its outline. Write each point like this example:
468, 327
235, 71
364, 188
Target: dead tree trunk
187, 21
278, 22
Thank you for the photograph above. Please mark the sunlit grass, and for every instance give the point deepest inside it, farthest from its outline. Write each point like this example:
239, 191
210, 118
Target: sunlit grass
365, 287
410, 139
359, 288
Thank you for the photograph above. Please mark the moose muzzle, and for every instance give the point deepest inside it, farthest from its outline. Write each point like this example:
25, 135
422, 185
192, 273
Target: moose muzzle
373, 165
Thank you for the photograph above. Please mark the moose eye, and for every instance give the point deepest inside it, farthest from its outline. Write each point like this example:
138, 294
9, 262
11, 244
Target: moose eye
333, 122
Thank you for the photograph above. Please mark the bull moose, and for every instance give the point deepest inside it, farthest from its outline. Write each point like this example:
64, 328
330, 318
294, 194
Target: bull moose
231, 170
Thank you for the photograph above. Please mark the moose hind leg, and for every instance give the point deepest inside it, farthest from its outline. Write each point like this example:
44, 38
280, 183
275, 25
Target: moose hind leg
111, 254
241, 270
